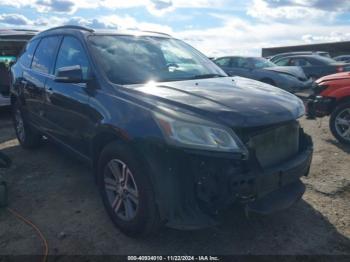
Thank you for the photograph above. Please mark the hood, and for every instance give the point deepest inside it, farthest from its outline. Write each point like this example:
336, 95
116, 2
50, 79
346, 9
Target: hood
233, 101
338, 76
295, 71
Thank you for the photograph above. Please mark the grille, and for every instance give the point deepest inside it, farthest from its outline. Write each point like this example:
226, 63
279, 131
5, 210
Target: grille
276, 145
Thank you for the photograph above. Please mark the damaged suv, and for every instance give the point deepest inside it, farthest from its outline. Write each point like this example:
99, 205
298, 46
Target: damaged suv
172, 139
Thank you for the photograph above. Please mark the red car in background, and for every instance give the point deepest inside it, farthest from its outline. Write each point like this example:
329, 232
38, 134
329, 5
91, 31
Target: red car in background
331, 96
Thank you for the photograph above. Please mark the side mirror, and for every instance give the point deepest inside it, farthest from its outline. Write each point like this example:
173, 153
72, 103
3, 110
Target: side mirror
69, 74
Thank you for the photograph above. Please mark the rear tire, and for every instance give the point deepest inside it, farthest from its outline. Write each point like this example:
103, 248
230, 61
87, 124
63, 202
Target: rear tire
340, 123
26, 135
129, 199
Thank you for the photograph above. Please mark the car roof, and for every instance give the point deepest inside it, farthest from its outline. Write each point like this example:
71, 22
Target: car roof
74, 29
301, 56
238, 56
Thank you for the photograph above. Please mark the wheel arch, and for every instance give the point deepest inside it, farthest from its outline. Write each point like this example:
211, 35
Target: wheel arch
343, 100
104, 136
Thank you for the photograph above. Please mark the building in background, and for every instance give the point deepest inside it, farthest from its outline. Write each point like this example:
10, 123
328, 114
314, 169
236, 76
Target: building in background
334, 49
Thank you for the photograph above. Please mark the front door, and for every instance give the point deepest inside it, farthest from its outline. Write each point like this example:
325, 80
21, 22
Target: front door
67, 103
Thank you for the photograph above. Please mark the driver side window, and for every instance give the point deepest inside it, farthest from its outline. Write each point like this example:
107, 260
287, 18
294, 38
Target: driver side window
72, 53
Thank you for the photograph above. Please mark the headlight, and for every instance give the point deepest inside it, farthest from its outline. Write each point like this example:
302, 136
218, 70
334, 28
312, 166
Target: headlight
319, 88
205, 135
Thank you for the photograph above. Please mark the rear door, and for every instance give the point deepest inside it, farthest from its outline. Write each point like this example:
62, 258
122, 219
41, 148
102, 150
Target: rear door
310, 69
35, 77
67, 103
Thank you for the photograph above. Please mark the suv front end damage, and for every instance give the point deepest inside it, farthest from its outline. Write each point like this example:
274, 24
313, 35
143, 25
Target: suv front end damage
194, 187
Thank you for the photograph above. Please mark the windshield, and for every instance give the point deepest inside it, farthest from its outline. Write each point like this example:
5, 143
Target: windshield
260, 62
326, 60
138, 59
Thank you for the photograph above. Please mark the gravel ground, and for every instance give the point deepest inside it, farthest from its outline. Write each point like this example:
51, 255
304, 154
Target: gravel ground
59, 195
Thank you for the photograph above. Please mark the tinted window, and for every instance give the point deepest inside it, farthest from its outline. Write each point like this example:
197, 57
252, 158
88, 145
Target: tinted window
282, 62
239, 62
299, 62
323, 60
223, 61
260, 62
44, 54
27, 55
72, 53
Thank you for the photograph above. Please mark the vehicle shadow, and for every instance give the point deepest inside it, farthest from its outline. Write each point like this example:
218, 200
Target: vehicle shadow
341, 146
51, 180
298, 230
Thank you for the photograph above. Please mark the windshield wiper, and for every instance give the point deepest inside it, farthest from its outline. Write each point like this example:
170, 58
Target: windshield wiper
207, 76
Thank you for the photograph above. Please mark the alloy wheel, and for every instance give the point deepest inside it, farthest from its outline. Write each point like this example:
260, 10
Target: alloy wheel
121, 190
342, 124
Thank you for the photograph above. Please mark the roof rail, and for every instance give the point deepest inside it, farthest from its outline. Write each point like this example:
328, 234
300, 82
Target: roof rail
155, 32
70, 27
18, 29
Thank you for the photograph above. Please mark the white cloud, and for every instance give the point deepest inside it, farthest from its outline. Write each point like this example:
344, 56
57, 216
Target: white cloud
296, 10
14, 19
240, 37
155, 7
235, 36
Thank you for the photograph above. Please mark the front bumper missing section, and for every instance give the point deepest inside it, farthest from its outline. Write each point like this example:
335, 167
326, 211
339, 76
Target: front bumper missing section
318, 106
262, 191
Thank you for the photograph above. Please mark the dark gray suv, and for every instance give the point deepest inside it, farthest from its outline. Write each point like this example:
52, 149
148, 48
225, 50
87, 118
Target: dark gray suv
171, 138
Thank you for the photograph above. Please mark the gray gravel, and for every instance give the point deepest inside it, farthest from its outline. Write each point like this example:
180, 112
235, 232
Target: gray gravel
59, 194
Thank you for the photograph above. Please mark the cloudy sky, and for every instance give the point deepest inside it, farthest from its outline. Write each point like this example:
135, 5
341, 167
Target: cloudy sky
215, 27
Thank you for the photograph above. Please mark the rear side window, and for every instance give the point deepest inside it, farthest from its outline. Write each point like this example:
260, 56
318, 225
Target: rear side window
72, 53
283, 62
299, 62
223, 61
26, 58
239, 62
44, 54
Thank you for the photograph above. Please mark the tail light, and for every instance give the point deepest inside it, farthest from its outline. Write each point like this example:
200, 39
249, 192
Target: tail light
340, 69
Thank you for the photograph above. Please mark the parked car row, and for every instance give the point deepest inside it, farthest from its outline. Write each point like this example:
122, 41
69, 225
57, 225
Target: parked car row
291, 79
172, 139
292, 72
331, 96
314, 66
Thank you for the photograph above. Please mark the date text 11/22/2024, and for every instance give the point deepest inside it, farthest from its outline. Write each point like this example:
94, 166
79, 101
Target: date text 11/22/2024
173, 258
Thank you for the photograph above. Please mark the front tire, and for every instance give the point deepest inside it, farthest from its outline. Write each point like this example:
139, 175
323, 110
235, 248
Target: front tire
26, 135
127, 191
340, 123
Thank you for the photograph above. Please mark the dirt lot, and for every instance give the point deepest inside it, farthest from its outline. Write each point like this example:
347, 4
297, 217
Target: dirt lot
59, 195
